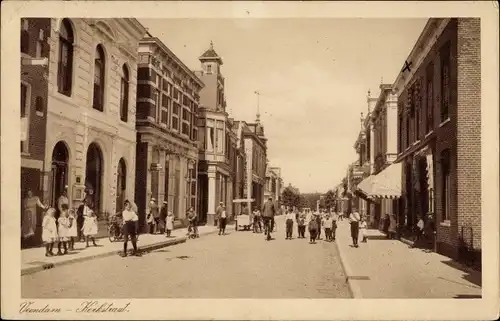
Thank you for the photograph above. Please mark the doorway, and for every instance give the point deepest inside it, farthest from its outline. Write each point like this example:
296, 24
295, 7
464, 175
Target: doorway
59, 171
94, 175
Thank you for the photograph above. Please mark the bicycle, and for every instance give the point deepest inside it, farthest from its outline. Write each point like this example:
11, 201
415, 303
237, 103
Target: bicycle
115, 229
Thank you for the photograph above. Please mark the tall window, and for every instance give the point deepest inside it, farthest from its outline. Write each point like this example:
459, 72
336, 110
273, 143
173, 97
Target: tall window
418, 105
429, 123
400, 128
24, 115
65, 64
99, 70
445, 184
210, 139
407, 131
175, 116
25, 37
124, 94
186, 117
39, 44
445, 82
220, 140
165, 104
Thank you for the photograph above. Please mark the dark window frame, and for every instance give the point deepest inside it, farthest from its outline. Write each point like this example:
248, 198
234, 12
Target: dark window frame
125, 84
99, 88
445, 81
65, 68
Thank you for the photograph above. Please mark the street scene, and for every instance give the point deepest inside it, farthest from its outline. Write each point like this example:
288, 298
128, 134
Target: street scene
228, 159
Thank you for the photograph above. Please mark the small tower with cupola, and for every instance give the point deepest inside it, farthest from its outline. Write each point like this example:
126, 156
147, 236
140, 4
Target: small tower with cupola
212, 96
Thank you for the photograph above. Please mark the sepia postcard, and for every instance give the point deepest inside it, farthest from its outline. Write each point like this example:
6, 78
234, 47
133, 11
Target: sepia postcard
250, 160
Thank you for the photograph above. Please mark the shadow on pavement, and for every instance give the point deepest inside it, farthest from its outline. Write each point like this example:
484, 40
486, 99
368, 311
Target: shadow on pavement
467, 296
473, 276
377, 237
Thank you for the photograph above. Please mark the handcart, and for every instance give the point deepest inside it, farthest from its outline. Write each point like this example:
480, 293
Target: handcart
243, 221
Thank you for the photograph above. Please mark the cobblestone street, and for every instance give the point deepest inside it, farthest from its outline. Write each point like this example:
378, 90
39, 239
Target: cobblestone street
238, 265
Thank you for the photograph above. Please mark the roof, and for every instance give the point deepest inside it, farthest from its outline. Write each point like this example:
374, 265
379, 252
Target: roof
210, 54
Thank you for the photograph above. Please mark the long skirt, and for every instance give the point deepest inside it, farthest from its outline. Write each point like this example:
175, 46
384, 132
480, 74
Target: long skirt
29, 223
355, 230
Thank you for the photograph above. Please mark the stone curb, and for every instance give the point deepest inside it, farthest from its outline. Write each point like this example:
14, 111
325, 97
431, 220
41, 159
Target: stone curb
354, 289
146, 248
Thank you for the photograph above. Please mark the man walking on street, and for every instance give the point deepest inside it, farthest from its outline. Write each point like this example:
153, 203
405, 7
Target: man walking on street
218, 213
268, 212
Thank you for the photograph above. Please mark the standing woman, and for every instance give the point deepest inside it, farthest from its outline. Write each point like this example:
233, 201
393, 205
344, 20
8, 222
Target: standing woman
28, 225
130, 220
354, 219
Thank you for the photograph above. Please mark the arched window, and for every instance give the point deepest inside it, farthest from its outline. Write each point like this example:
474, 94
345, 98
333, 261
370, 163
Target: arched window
65, 66
25, 37
99, 67
124, 94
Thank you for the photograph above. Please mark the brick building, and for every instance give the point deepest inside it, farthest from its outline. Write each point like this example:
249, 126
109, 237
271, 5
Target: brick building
167, 131
91, 133
439, 138
34, 90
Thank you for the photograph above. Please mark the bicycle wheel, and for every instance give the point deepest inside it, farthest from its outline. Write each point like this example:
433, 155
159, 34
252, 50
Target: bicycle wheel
112, 233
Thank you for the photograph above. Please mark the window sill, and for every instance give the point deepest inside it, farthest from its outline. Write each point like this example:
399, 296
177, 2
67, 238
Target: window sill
25, 154
39, 113
446, 223
429, 133
415, 142
444, 122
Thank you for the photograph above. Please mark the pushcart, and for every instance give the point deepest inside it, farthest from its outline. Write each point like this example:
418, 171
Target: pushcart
243, 221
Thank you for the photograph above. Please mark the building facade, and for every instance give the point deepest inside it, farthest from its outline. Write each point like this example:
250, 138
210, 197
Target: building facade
274, 184
384, 139
34, 90
91, 137
362, 168
256, 162
439, 137
167, 131
214, 169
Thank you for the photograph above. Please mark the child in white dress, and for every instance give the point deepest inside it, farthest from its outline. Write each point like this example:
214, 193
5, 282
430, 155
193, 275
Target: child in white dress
63, 230
169, 223
49, 231
362, 227
73, 231
90, 228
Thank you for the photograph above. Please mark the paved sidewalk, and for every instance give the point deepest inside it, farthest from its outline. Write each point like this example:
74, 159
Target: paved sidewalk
384, 268
34, 260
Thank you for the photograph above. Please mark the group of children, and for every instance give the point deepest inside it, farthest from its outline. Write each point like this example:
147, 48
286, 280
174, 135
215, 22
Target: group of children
63, 230
315, 222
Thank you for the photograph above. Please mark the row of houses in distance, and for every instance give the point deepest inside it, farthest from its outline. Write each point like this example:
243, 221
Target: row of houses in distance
419, 145
110, 113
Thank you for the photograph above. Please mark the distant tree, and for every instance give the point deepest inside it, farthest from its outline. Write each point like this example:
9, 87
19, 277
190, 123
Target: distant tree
330, 199
289, 197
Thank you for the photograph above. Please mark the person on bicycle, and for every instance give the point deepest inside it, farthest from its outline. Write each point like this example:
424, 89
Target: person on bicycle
268, 212
130, 219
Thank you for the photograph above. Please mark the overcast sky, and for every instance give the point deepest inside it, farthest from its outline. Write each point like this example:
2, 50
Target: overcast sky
313, 75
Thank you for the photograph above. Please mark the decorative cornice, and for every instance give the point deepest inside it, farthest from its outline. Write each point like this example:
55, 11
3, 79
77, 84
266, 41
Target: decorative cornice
431, 32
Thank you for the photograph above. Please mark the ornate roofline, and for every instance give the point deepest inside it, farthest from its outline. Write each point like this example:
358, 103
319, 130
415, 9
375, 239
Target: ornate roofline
428, 37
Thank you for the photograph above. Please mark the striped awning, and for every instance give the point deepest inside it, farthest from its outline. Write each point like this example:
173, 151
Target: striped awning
386, 184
